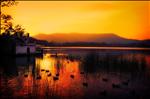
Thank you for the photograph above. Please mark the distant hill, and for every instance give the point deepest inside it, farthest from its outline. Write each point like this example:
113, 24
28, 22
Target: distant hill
78, 37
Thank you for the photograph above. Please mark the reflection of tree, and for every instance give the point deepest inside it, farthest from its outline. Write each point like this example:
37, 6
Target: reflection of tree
9, 66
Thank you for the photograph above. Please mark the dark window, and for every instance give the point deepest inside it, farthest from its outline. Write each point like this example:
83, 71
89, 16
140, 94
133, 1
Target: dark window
28, 50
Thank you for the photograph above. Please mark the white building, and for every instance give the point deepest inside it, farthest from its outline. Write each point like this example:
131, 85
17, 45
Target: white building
25, 49
25, 46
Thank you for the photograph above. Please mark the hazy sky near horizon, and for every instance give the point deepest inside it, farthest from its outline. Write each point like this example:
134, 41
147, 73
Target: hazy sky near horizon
130, 19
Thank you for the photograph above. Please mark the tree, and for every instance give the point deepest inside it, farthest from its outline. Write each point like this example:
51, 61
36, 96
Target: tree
7, 3
6, 20
19, 30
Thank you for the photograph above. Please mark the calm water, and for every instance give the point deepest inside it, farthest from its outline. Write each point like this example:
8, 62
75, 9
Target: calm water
77, 73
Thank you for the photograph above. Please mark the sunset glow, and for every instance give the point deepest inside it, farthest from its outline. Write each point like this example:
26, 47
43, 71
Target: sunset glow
129, 19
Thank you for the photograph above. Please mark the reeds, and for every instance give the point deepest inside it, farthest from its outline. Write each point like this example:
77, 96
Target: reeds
114, 63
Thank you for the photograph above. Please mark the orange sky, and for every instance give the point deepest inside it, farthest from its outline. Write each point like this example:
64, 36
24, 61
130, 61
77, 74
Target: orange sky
128, 19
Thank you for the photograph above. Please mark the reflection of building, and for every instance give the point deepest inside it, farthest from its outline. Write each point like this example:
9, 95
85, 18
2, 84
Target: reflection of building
26, 64
25, 61
12, 66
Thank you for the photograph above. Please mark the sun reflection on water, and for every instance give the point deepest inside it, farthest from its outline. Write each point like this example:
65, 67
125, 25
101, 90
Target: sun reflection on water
59, 64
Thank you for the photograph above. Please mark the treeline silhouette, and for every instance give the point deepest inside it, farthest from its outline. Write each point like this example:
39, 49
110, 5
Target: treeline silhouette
145, 43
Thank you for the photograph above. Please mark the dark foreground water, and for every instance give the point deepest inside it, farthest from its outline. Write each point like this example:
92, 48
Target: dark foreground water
77, 74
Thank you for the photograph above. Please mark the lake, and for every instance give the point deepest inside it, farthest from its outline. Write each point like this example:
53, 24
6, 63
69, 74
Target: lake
77, 73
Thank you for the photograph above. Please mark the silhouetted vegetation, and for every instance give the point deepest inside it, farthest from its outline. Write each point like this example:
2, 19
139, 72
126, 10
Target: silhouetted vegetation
91, 62
8, 3
114, 63
6, 19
